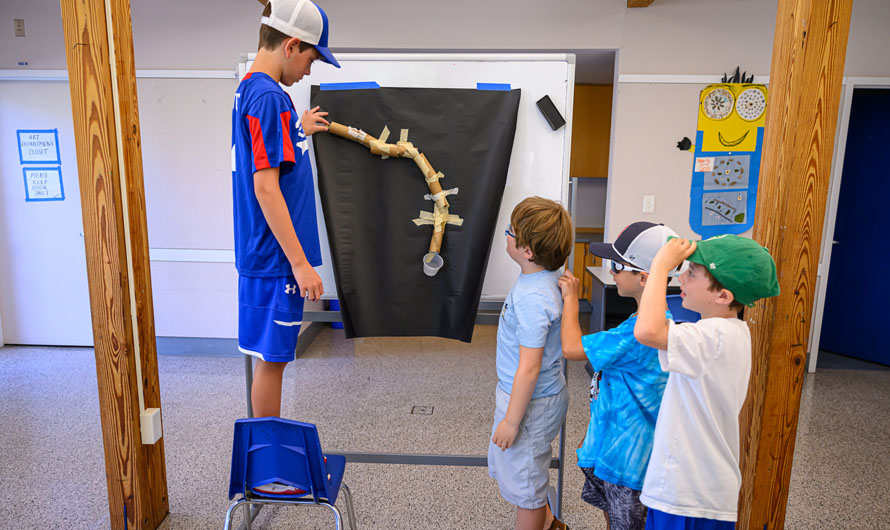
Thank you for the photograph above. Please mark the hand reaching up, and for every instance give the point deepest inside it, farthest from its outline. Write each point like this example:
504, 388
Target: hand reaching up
568, 284
313, 121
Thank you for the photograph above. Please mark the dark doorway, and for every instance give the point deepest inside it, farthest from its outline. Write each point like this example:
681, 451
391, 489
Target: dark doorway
858, 289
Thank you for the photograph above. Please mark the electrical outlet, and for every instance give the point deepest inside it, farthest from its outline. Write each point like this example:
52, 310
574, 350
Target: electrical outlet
648, 203
19, 27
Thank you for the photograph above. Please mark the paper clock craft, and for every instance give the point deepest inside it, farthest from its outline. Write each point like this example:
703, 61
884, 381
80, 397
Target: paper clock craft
727, 149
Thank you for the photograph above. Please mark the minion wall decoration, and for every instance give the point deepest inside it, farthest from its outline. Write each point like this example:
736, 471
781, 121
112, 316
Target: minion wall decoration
726, 167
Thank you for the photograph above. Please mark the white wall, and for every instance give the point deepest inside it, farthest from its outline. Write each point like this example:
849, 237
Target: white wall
209, 34
869, 39
698, 37
650, 119
43, 44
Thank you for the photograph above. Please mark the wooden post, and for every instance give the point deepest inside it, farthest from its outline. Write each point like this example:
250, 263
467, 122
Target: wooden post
804, 93
102, 80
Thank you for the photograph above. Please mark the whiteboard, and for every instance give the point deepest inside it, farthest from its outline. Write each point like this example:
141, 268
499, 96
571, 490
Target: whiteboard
539, 164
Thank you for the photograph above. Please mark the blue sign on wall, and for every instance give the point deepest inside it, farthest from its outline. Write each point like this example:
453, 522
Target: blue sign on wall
43, 184
39, 146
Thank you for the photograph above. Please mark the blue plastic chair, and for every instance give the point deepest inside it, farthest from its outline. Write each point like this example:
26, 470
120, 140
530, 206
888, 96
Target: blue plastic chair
680, 313
275, 450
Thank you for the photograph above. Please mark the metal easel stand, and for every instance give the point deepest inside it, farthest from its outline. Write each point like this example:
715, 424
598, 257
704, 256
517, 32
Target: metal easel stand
487, 310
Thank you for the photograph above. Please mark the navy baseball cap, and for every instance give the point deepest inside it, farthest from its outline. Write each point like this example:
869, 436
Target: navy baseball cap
636, 245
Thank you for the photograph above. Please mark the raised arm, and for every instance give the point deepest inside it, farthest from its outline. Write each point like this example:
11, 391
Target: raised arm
570, 329
651, 328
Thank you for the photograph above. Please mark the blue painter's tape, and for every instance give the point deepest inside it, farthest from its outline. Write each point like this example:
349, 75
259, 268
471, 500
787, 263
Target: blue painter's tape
46, 138
349, 86
493, 86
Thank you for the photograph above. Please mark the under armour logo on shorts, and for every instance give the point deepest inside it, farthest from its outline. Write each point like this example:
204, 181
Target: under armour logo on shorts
290, 289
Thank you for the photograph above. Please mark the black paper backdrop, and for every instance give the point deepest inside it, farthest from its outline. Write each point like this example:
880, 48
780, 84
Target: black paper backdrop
369, 204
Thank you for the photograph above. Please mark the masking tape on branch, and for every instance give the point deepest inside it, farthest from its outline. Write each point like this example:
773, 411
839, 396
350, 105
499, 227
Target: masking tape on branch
441, 195
438, 219
434, 178
384, 135
407, 150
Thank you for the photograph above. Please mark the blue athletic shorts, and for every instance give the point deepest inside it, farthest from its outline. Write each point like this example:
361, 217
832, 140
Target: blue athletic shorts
270, 312
658, 520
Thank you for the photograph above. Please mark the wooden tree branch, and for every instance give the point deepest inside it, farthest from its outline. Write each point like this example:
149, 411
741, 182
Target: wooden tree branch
406, 149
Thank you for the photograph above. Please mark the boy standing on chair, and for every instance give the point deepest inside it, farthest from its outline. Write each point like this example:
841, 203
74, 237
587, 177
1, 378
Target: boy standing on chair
531, 399
627, 385
276, 235
693, 478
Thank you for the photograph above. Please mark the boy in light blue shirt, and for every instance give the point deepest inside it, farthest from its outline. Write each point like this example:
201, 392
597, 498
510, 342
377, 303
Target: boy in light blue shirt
627, 387
531, 398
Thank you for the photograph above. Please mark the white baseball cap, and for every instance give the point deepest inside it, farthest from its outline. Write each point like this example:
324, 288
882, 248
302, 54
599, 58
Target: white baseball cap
304, 20
636, 245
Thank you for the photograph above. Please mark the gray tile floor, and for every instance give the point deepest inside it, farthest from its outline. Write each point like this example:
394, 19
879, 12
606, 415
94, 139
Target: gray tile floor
360, 394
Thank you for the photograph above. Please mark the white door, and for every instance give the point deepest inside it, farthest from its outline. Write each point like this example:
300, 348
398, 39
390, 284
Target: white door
44, 296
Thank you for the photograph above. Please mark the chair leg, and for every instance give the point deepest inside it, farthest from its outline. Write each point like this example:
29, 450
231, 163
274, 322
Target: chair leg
248, 516
347, 497
231, 512
337, 517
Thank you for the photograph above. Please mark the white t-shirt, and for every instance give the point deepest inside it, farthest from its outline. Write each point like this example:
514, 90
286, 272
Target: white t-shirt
694, 469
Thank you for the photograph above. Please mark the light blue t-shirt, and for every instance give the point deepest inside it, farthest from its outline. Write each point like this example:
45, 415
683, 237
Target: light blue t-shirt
619, 437
531, 317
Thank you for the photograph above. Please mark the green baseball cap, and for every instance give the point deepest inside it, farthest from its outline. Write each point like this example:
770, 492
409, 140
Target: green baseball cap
740, 264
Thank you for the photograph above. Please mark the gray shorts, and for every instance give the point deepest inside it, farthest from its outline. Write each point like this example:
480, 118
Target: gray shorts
522, 470
623, 505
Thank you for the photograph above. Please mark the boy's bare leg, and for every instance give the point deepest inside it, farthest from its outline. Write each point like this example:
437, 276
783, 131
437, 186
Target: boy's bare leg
529, 519
548, 517
265, 394
606, 515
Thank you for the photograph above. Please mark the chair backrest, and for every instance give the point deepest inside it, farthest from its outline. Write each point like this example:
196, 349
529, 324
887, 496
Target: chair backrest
272, 449
680, 313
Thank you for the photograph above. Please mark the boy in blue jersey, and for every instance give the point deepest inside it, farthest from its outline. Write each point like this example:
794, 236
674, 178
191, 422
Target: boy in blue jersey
627, 387
531, 400
276, 235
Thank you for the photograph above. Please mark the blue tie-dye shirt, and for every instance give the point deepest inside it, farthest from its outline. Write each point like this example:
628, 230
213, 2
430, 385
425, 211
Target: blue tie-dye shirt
622, 415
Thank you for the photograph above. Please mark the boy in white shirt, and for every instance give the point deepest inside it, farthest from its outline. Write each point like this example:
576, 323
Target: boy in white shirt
693, 478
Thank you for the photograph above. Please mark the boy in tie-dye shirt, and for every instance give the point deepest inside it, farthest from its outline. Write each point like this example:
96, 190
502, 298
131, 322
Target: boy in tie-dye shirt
627, 385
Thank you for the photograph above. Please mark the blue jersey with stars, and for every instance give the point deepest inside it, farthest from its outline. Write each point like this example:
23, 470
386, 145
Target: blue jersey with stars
266, 132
